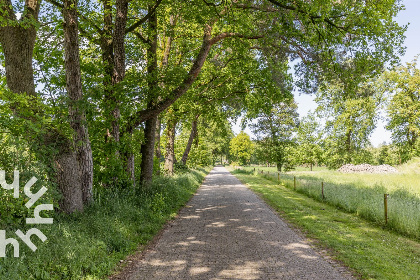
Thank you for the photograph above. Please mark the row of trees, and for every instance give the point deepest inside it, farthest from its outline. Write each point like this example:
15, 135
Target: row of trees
88, 86
338, 131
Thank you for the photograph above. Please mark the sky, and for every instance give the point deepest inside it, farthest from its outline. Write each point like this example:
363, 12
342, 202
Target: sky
412, 43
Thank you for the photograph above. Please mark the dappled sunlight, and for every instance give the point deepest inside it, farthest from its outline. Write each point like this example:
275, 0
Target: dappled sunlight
300, 249
175, 265
191, 217
247, 270
229, 233
216, 224
249, 229
210, 208
196, 271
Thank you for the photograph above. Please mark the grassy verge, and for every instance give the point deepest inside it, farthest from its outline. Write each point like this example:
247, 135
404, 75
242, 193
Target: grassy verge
90, 245
363, 194
366, 248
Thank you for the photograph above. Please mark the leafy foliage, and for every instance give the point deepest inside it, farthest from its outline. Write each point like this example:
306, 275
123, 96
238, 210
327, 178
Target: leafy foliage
275, 133
241, 148
403, 110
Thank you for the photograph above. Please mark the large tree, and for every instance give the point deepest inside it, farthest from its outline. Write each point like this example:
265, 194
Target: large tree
241, 148
403, 110
350, 117
308, 139
274, 130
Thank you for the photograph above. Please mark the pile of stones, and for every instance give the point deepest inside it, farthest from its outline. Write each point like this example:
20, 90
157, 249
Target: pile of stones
367, 168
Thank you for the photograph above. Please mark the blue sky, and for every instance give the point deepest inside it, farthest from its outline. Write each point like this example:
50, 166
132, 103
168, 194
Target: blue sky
412, 42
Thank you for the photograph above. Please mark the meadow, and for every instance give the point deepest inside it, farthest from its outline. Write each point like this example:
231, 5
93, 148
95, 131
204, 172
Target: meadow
362, 193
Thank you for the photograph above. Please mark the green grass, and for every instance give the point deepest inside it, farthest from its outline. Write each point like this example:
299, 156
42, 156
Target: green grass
370, 251
91, 245
363, 194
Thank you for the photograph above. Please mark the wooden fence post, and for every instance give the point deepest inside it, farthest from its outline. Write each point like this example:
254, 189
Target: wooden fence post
322, 191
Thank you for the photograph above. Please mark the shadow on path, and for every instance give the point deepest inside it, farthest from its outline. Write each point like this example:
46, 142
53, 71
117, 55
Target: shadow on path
227, 232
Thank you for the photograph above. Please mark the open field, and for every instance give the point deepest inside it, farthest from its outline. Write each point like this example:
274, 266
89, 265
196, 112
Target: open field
371, 251
363, 194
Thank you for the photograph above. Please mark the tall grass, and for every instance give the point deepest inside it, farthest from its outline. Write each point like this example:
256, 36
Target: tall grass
91, 245
363, 194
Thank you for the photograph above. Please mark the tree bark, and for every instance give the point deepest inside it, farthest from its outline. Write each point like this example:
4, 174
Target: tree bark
170, 146
147, 151
193, 134
131, 168
18, 45
77, 115
158, 152
67, 170
113, 56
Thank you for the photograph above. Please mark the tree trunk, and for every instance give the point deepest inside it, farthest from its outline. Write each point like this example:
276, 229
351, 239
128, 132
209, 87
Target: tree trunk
131, 168
170, 147
158, 152
190, 141
67, 171
18, 45
279, 166
147, 150
311, 166
113, 56
77, 116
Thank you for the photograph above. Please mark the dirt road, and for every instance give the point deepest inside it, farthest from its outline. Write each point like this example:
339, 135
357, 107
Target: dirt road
227, 232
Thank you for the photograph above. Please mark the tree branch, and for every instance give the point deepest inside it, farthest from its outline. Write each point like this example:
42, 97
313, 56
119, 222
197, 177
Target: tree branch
224, 35
85, 33
144, 19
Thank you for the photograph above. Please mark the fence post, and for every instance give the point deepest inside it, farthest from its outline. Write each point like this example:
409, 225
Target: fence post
322, 190
386, 207
294, 182
278, 176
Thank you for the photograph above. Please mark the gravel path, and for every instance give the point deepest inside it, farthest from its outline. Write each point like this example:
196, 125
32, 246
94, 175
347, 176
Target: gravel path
227, 232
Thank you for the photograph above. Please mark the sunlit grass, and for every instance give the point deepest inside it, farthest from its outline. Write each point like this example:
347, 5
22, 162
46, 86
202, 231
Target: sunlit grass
362, 193
371, 251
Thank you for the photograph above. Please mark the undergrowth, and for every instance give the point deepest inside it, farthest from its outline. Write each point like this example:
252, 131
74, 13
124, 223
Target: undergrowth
90, 245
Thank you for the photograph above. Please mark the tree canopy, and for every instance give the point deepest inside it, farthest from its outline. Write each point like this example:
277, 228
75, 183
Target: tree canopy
91, 85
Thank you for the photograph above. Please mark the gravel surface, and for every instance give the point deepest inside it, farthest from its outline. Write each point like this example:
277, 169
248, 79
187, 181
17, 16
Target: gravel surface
227, 232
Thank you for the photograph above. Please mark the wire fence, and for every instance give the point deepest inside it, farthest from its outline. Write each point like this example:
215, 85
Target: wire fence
398, 210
